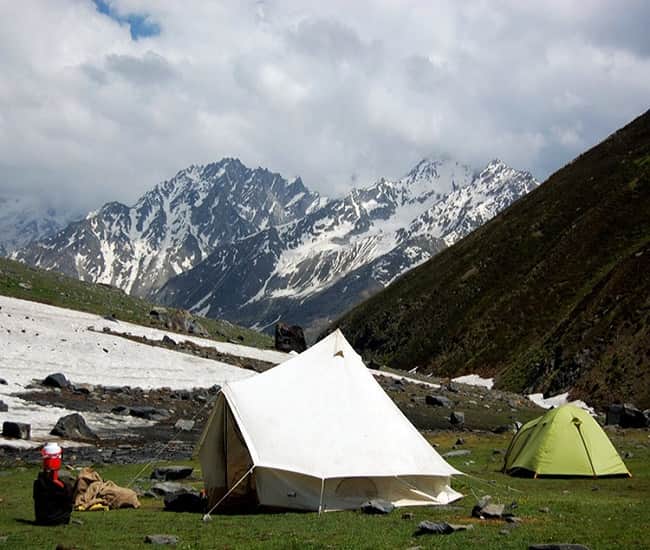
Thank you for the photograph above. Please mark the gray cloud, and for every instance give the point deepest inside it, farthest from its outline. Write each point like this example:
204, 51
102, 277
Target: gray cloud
337, 92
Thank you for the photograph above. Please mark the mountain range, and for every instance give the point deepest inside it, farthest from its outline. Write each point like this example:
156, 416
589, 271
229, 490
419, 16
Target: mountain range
252, 247
551, 295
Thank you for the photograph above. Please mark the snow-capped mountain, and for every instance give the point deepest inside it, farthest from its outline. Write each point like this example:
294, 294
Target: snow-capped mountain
173, 227
311, 270
24, 220
251, 247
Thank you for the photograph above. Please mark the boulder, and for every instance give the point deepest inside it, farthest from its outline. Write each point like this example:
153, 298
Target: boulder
149, 413
377, 506
16, 430
485, 509
56, 380
121, 410
3, 407
165, 488
439, 528
161, 539
73, 426
289, 338
438, 401
457, 418
167, 341
171, 473
184, 425
3, 382
184, 502
626, 416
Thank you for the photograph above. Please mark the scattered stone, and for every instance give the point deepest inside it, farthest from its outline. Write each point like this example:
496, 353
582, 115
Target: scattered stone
185, 502
377, 506
161, 539
439, 528
457, 418
289, 338
628, 454
505, 532
486, 509
76, 521
460, 441
73, 426
16, 430
171, 473
3, 539
56, 380
438, 401
626, 416
511, 519
26, 286
3, 407
165, 488
461, 452
121, 410
168, 341
408, 515
184, 425
545, 510
149, 413
85, 389
3, 382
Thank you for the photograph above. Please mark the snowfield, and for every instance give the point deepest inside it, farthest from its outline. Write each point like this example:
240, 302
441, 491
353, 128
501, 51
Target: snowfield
37, 340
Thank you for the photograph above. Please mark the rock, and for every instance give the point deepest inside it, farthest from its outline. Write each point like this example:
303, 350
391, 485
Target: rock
511, 519
545, 510
171, 473
486, 509
85, 389
184, 425
626, 416
557, 547
149, 413
439, 528
16, 430
460, 441
56, 380
457, 418
165, 488
168, 341
289, 338
408, 515
184, 502
73, 426
3, 382
461, 452
438, 401
377, 506
161, 539
3, 407
121, 410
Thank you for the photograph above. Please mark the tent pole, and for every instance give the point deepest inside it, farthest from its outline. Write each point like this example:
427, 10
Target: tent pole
322, 491
207, 516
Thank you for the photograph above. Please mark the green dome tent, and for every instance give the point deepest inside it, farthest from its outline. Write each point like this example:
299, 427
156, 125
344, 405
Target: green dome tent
565, 441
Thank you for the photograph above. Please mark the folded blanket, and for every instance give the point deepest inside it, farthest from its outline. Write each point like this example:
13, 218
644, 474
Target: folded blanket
92, 490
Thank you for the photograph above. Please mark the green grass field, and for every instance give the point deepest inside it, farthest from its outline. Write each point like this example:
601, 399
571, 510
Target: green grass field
601, 513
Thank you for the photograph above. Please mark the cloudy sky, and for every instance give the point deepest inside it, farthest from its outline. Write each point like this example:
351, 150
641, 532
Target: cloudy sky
100, 100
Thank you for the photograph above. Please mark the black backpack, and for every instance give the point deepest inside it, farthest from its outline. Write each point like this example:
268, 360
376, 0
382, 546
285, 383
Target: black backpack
52, 503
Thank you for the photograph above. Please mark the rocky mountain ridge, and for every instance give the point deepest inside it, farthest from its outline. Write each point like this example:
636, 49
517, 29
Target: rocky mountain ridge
249, 246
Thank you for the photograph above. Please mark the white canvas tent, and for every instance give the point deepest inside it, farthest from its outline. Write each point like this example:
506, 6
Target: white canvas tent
318, 433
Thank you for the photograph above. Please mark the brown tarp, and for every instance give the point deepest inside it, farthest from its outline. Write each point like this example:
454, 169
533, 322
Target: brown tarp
93, 492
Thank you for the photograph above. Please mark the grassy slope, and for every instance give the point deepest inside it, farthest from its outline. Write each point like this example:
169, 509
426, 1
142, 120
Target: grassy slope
602, 514
55, 289
552, 293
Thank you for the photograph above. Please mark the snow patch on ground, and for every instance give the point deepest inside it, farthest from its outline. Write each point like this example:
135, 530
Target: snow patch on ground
37, 340
558, 401
475, 380
407, 378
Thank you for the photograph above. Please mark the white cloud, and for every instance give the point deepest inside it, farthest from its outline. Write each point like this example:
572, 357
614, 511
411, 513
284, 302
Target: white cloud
333, 91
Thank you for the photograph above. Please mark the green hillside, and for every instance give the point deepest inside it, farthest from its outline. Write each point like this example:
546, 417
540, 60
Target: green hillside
20, 281
552, 294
